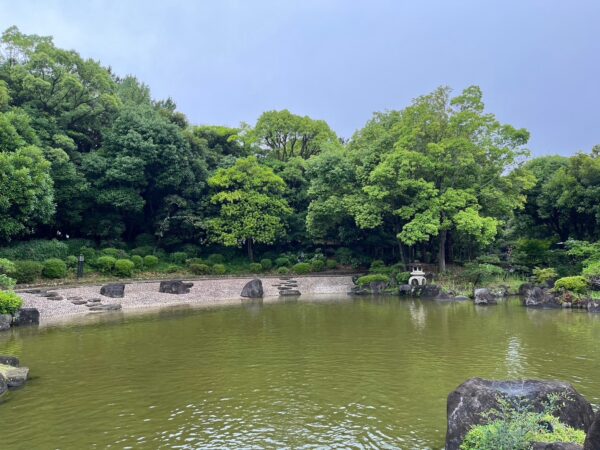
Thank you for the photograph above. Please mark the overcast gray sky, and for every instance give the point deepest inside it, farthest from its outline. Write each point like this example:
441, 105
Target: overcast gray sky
226, 61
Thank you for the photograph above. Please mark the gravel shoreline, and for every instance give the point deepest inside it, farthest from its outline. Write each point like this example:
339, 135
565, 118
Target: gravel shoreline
145, 295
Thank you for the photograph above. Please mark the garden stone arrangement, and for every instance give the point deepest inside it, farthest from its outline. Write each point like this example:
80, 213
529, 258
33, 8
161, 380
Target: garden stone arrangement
12, 376
253, 289
288, 287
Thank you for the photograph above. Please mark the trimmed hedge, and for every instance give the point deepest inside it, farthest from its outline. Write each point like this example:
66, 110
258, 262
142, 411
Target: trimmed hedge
317, 265
199, 269
266, 263
219, 269
137, 261
283, 271
179, 257
302, 268
71, 261
27, 271
255, 267
282, 261
331, 264
6, 266
10, 302
373, 278
150, 261
124, 267
105, 264
576, 284
54, 268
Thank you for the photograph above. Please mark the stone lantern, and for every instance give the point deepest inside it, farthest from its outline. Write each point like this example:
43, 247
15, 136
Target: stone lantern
417, 276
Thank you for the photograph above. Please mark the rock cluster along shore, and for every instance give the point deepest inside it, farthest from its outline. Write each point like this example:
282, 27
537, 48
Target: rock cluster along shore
24, 316
544, 297
12, 376
468, 403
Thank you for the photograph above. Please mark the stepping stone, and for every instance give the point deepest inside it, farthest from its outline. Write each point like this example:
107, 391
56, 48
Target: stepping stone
79, 302
49, 294
108, 307
56, 298
14, 376
94, 300
74, 298
289, 293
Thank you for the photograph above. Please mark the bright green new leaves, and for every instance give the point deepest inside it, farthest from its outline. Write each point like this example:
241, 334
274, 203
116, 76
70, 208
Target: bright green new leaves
26, 194
251, 205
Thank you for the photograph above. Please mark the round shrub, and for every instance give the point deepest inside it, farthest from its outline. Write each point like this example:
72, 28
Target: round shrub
545, 275
317, 265
150, 261
576, 284
301, 268
54, 268
7, 282
199, 269
179, 257
266, 263
105, 264
71, 261
372, 278
143, 251
7, 267
172, 268
27, 271
282, 261
219, 269
283, 270
124, 267
137, 261
331, 264
10, 302
255, 267
216, 258
89, 254
114, 252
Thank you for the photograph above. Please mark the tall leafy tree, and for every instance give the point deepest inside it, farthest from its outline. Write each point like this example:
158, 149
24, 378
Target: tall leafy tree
251, 205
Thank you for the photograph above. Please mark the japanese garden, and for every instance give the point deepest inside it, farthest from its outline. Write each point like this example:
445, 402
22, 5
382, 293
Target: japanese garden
166, 284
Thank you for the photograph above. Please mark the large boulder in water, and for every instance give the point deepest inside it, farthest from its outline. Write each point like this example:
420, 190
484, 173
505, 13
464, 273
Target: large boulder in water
14, 376
484, 297
592, 440
253, 289
26, 316
3, 386
175, 287
467, 404
116, 290
5, 321
538, 297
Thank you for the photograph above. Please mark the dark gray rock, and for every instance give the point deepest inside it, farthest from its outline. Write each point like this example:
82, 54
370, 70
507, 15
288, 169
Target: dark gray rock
107, 307
405, 289
95, 300
74, 298
15, 376
116, 290
525, 288
289, 293
593, 306
592, 440
254, 289
377, 287
9, 361
5, 321
538, 297
555, 446
56, 298
426, 291
484, 297
49, 294
474, 397
175, 287
3, 386
79, 302
26, 316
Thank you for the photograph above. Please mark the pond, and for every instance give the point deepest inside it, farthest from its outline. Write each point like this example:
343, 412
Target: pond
316, 373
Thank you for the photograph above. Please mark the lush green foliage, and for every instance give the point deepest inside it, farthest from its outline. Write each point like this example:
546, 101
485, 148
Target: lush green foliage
10, 302
6, 266
7, 282
301, 268
27, 271
365, 280
54, 268
577, 284
543, 275
150, 261
137, 261
255, 267
105, 263
124, 267
266, 263
199, 269
219, 269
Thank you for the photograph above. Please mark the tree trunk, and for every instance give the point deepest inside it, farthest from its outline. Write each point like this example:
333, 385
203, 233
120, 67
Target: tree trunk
250, 252
442, 251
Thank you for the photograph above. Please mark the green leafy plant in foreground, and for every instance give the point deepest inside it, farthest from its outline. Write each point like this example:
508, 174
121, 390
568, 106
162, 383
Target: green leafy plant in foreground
10, 302
515, 426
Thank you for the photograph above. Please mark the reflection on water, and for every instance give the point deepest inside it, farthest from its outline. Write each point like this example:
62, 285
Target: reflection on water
339, 372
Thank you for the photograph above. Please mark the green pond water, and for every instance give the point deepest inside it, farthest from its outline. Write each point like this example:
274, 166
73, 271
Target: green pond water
315, 373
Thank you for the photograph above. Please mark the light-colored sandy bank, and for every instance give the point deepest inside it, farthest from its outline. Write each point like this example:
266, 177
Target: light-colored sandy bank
140, 295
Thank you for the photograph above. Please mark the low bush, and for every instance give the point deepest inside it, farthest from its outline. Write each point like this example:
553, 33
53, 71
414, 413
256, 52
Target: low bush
576, 284
301, 268
10, 302
137, 261
172, 268
150, 261
402, 277
266, 263
216, 258
114, 252
543, 275
36, 250
142, 251
219, 269
344, 256
592, 271
331, 264
124, 267
89, 254
27, 271
199, 269
105, 264
179, 257
7, 282
7, 267
283, 270
255, 267
317, 265
282, 261
71, 261
54, 268
372, 278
